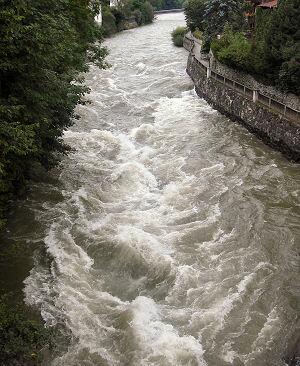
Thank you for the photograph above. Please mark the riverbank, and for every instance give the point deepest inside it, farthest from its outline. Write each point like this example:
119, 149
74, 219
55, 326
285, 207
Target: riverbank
166, 11
43, 57
23, 339
265, 111
118, 19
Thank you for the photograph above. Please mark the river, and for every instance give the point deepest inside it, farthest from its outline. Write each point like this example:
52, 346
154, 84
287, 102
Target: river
169, 235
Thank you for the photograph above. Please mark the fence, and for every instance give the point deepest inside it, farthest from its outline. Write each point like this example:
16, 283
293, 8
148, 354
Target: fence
194, 47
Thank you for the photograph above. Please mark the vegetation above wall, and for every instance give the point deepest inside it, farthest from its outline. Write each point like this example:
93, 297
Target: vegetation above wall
211, 16
270, 51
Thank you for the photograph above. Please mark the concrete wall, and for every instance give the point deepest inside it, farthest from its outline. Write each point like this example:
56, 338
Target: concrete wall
187, 42
281, 133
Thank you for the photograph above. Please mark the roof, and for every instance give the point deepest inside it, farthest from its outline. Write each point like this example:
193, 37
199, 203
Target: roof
269, 4
255, 2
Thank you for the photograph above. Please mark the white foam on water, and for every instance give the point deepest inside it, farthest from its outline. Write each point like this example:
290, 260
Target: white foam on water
146, 203
141, 68
173, 110
143, 131
158, 342
266, 336
133, 177
111, 83
70, 258
140, 202
139, 248
75, 297
186, 279
227, 354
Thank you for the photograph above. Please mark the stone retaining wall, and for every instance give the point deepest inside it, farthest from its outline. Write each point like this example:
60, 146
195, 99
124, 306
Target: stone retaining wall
289, 99
274, 129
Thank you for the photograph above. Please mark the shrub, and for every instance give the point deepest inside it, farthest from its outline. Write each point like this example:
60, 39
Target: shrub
198, 34
118, 14
178, 36
205, 45
233, 49
138, 16
289, 76
109, 23
21, 339
147, 12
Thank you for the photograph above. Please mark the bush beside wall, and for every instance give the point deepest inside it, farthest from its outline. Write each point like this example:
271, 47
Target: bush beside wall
178, 36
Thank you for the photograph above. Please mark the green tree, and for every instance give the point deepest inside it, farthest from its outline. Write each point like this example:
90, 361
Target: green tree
218, 13
194, 11
109, 22
283, 45
44, 46
258, 63
147, 12
157, 4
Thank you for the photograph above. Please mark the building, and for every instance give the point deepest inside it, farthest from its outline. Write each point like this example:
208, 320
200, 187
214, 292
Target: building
254, 4
267, 4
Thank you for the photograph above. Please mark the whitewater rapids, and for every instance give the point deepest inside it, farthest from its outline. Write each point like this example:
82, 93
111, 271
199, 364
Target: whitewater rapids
169, 235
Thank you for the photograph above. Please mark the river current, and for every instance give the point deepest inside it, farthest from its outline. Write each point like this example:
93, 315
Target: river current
169, 235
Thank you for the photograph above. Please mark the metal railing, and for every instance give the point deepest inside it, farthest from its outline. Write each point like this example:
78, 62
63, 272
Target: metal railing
255, 96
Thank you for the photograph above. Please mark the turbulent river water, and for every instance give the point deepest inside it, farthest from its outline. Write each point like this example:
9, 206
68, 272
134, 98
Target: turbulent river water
169, 234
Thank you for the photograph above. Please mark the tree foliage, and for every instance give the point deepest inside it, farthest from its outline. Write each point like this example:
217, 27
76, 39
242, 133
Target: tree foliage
166, 4
194, 11
211, 16
21, 339
258, 63
283, 45
109, 21
218, 13
44, 46
147, 12
273, 51
233, 49
113, 18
